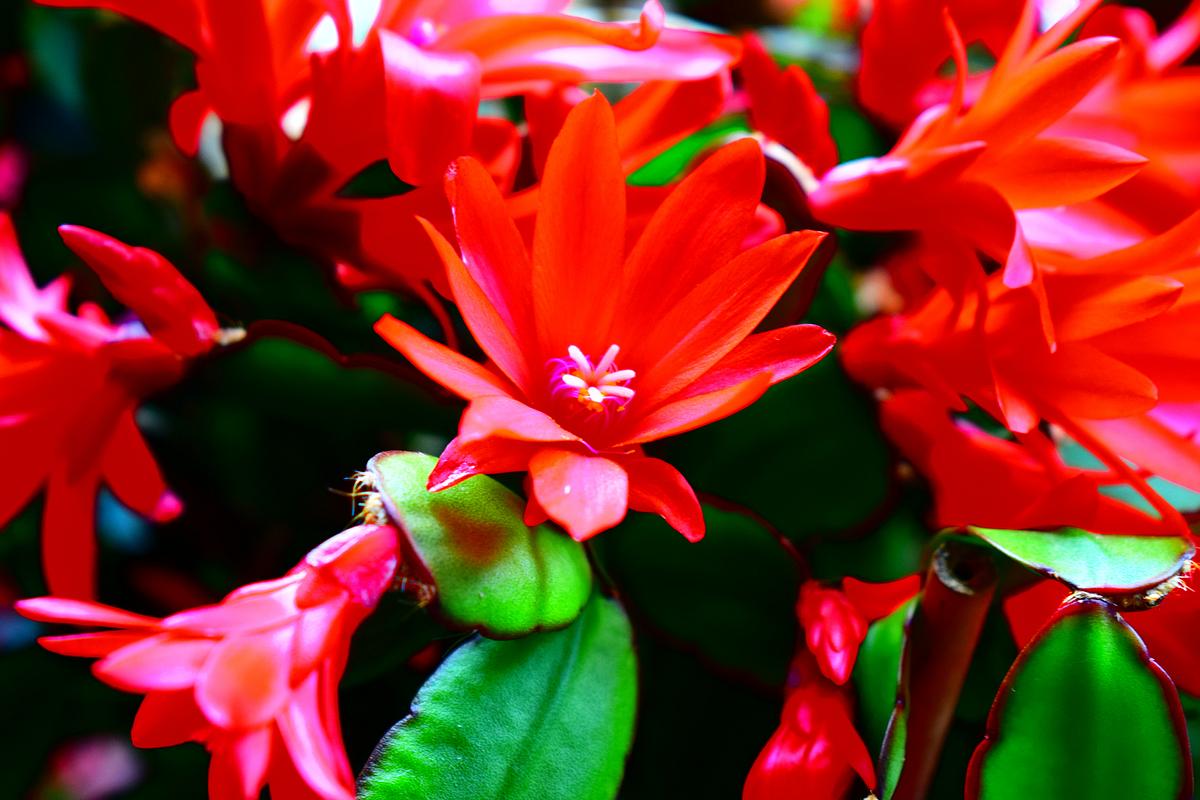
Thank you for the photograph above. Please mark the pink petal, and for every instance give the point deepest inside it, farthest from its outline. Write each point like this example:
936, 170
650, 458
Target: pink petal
319, 759
239, 765
157, 663
165, 719
244, 683
583, 493
131, 472
461, 460
81, 612
90, 645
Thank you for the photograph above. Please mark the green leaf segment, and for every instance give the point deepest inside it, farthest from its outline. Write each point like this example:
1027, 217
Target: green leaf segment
1084, 712
1105, 564
547, 717
491, 571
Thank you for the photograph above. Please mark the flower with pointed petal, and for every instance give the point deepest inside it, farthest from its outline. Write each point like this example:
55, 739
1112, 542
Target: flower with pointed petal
595, 353
254, 678
70, 385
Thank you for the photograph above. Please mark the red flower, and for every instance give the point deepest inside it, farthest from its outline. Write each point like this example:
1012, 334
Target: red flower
595, 353
981, 479
309, 96
71, 386
959, 176
1120, 354
816, 752
254, 678
835, 621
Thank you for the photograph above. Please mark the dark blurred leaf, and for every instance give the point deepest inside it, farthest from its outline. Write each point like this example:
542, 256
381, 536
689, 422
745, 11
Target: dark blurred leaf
729, 597
541, 718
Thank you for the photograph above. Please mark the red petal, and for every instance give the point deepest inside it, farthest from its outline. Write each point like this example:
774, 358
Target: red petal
131, 472
1056, 171
456, 372
507, 418
431, 101
718, 314
877, 600
461, 460
579, 239
659, 488
187, 116
492, 249
90, 645
239, 765
81, 612
170, 307
68, 534
697, 411
316, 754
165, 719
695, 231
486, 324
781, 353
583, 493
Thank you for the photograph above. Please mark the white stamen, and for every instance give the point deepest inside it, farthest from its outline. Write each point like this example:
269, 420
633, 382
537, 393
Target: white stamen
581, 361
610, 356
620, 376
595, 395
574, 381
618, 391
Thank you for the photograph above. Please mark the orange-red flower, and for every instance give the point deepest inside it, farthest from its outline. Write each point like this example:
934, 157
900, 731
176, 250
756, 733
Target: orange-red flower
594, 353
960, 175
1124, 323
310, 93
70, 384
254, 678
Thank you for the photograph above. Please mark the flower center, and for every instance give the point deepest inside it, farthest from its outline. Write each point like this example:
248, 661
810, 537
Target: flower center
599, 387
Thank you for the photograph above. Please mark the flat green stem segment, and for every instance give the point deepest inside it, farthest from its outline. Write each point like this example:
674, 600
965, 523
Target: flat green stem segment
492, 571
1093, 562
1084, 712
546, 717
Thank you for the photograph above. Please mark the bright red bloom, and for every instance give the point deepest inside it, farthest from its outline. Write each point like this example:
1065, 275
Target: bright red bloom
835, 621
70, 384
254, 679
959, 176
816, 752
595, 353
309, 96
1166, 628
981, 479
1121, 353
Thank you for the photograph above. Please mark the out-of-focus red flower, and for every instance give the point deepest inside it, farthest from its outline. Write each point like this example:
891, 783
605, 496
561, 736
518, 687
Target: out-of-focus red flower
785, 107
70, 384
309, 96
981, 479
254, 679
1121, 321
594, 353
960, 175
12, 174
905, 44
1167, 628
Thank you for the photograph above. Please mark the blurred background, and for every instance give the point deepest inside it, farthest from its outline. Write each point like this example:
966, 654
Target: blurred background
261, 441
